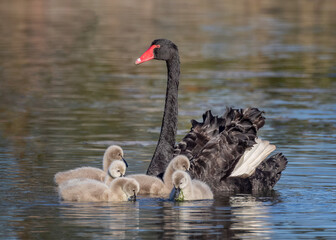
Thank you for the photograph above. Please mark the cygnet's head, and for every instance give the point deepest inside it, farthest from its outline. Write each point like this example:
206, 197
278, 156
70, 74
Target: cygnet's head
117, 169
113, 153
181, 162
131, 188
181, 179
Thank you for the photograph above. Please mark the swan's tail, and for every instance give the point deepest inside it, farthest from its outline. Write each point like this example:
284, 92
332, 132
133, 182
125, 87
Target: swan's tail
268, 173
215, 146
265, 176
250, 160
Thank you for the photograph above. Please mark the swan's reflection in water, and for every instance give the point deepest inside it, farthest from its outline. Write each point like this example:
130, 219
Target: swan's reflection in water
250, 218
240, 216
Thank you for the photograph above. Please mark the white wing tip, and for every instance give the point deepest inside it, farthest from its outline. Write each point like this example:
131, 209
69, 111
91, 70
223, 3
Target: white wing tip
251, 159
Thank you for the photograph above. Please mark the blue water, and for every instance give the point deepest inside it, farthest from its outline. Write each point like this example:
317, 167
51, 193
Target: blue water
69, 88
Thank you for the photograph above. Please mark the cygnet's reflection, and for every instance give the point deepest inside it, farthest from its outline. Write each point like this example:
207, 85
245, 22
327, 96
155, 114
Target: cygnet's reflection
181, 218
238, 216
112, 219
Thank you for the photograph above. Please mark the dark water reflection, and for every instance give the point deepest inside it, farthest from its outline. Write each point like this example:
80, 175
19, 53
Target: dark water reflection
69, 88
236, 216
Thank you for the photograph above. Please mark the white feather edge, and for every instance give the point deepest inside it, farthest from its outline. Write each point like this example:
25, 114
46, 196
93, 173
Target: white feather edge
250, 160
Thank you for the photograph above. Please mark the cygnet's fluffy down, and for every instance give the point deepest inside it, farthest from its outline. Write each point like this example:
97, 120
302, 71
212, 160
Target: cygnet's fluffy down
117, 169
90, 190
111, 154
155, 186
149, 184
191, 189
180, 162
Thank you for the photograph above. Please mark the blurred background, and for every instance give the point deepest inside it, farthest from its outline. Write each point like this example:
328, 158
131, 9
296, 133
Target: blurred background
69, 88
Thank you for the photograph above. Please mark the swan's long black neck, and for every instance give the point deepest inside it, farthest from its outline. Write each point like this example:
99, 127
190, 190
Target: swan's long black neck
165, 148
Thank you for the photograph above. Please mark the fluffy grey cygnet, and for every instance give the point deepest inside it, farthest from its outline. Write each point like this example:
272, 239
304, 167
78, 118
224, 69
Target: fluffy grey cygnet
90, 190
155, 186
117, 169
191, 189
111, 154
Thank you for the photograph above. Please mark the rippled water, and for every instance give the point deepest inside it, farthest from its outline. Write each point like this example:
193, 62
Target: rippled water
69, 88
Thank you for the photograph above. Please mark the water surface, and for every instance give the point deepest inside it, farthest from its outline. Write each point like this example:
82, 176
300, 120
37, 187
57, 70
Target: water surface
69, 88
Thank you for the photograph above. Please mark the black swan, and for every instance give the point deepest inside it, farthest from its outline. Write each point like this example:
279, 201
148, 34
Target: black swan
214, 146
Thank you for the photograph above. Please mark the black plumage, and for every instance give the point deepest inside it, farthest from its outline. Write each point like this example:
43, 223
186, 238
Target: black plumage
215, 145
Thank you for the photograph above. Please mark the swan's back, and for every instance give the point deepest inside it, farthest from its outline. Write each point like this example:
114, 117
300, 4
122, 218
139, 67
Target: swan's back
238, 126
216, 145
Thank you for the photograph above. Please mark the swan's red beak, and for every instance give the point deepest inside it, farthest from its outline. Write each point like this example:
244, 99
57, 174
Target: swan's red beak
148, 55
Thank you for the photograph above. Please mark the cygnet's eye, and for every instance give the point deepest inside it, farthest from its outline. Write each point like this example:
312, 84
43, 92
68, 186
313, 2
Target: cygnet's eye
118, 170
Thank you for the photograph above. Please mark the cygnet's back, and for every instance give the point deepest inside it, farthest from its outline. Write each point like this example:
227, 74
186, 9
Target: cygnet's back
191, 189
111, 154
84, 190
89, 190
149, 184
155, 186
201, 190
81, 172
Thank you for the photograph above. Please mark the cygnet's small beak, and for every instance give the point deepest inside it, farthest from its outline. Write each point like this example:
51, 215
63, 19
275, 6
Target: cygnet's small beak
132, 198
122, 175
125, 162
177, 193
